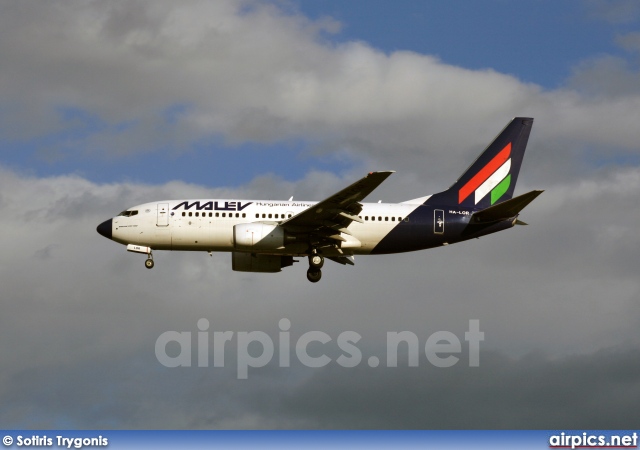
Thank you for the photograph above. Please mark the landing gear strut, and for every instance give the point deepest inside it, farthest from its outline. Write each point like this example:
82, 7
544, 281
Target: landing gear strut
149, 262
316, 262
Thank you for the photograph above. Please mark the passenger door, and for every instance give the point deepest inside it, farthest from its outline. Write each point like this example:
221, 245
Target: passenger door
163, 215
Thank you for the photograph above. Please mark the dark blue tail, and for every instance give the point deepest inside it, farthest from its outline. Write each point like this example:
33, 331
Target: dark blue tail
492, 177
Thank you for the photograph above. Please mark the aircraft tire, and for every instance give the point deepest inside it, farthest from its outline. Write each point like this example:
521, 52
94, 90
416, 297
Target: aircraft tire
316, 261
314, 275
149, 264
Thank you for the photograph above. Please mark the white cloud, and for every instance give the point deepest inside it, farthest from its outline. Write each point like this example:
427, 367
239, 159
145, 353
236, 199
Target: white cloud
161, 74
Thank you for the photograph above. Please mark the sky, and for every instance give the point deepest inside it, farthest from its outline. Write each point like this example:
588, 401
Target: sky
105, 105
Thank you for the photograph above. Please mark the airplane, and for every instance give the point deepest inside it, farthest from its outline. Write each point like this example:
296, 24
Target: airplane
266, 235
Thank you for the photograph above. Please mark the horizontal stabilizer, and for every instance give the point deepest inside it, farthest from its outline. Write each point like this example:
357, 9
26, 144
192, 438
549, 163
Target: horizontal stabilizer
505, 210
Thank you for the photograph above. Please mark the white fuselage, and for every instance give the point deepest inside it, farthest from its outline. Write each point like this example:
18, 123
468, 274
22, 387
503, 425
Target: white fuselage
207, 225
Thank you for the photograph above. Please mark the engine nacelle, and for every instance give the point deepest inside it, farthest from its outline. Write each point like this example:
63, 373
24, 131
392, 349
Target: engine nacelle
258, 236
249, 262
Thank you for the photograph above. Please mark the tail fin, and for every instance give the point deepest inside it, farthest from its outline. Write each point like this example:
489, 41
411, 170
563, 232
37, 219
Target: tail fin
492, 177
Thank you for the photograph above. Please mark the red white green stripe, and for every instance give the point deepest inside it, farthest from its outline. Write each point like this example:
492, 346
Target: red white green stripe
493, 178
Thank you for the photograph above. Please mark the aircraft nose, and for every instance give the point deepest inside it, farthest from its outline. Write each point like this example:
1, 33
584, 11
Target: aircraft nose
105, 228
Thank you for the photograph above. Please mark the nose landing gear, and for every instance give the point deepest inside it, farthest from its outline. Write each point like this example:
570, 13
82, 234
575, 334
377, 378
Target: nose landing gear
141, 249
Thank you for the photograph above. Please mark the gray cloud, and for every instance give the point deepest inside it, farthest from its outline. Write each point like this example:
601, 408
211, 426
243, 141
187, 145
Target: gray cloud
614, 11
81, 316
606, 76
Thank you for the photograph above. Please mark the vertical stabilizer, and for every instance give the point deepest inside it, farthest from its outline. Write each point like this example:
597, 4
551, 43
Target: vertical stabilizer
491, 179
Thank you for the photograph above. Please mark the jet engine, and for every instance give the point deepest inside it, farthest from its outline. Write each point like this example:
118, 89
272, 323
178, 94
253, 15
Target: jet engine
249, 262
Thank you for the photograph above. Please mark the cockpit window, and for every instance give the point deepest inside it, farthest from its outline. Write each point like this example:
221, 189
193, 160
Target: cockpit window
128, 213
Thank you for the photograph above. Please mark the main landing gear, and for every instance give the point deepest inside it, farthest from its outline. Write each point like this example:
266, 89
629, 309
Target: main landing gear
316, 262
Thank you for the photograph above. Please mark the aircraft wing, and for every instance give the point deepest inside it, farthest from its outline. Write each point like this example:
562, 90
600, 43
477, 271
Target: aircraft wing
330, 217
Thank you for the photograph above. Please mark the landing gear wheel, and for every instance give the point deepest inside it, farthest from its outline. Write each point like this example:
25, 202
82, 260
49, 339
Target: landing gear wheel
314, 275
149, 263
316, 261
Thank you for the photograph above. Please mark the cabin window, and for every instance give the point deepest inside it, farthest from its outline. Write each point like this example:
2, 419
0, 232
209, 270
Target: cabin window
244, 215
257, 216
289, 216
380, 218
393, 219
373, 217
237, 214
190, 214
386, 219
224, 214
264, 215
269, 216
184, 213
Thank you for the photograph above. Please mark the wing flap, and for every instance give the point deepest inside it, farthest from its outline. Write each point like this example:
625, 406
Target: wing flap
350, 217
344, 260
